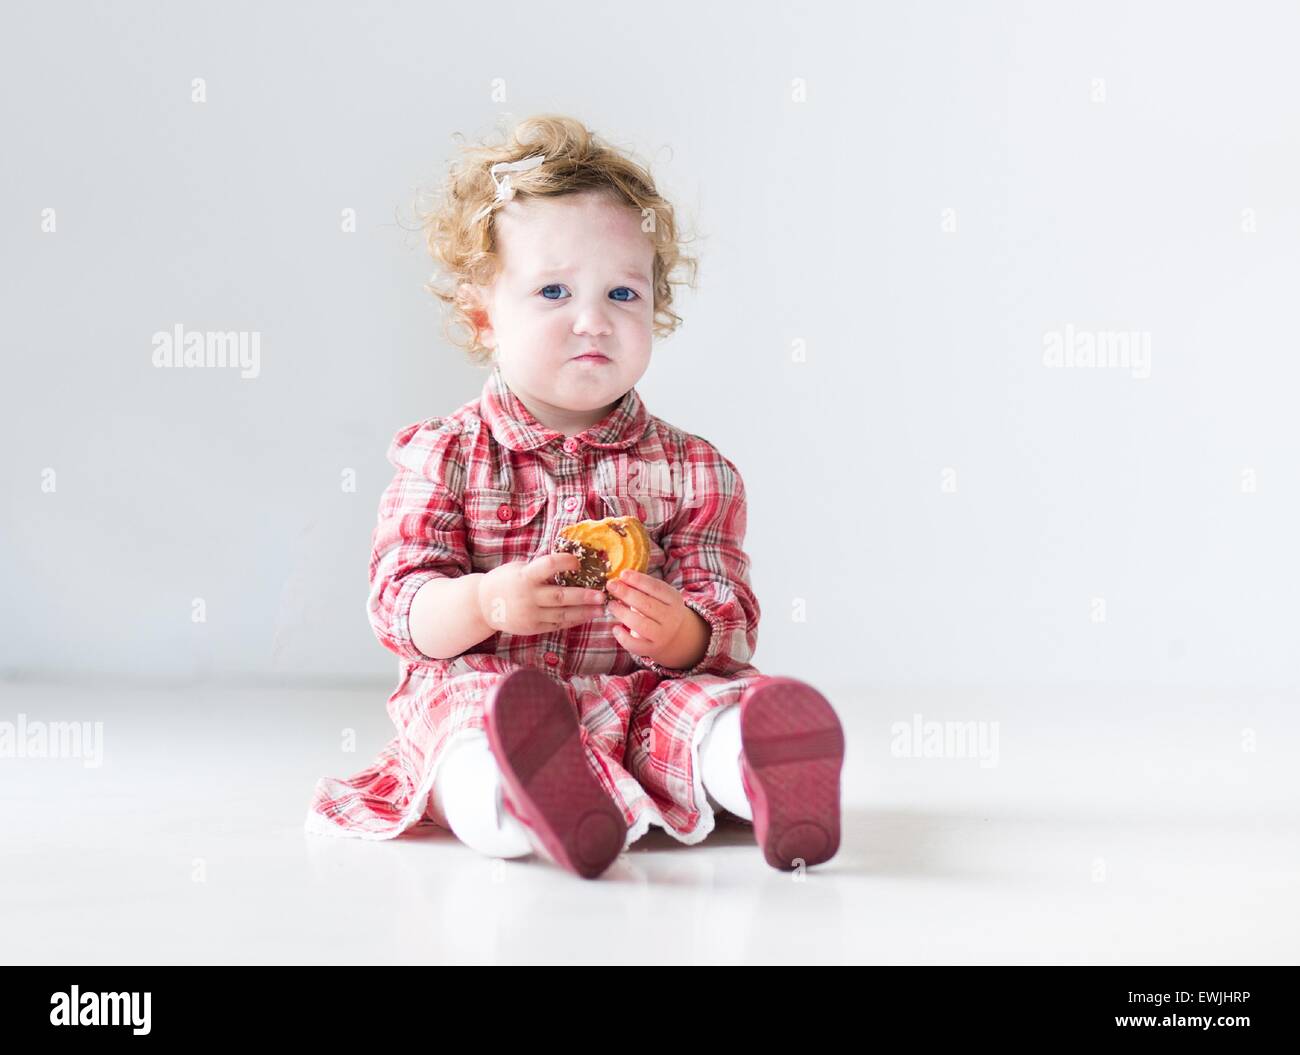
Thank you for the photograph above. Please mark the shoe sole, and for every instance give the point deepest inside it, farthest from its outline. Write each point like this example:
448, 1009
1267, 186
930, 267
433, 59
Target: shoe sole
792, 754
549, 783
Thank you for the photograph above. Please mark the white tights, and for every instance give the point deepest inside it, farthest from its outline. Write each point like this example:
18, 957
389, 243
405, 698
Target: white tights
468, 788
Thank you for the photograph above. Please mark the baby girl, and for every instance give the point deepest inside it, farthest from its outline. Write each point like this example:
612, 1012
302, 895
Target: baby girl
539, 717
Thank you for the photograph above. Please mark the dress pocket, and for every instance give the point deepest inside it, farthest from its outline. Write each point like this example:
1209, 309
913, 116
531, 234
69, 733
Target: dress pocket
502, 526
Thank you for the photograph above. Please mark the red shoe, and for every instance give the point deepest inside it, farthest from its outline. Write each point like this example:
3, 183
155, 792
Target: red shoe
792, 751
549, 784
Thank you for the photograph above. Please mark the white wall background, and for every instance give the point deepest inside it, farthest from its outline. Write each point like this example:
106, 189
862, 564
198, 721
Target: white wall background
1100, 160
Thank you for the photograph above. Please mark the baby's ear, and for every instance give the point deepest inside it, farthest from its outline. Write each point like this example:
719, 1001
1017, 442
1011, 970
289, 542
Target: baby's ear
474, 304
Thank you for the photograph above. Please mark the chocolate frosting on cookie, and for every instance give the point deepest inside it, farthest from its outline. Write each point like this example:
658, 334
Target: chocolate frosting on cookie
590, 574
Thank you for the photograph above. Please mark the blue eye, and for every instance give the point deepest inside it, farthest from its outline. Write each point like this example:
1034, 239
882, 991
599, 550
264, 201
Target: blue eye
632, 294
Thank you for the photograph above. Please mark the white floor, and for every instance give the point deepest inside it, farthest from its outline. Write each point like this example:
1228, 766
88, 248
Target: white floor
1152, 827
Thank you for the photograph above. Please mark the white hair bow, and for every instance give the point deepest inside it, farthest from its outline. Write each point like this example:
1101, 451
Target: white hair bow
505, 190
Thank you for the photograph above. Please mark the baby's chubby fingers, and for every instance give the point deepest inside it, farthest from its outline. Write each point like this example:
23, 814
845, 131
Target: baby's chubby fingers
550, 595
642, 592
633, 620
560, 618
563, 596
625, 604
545, 568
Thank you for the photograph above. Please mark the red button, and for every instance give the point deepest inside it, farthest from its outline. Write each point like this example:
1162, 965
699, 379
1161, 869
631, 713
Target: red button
551, 658
570, 445
505, 512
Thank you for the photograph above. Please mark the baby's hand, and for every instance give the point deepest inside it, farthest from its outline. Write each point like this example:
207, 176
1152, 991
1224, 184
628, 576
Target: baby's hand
519, 598
654, 618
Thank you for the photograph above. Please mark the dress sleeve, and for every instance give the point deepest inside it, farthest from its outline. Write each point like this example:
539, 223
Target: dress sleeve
704, 558
420, 534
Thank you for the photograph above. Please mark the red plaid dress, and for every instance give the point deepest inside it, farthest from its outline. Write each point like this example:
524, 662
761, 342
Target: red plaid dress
490, 484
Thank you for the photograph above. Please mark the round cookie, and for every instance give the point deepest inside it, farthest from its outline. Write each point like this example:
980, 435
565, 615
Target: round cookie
605, 547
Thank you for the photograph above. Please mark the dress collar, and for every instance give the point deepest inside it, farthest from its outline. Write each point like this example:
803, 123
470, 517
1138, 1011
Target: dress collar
514, 426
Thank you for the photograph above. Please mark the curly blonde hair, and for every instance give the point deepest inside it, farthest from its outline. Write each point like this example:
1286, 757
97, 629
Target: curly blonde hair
460, 231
